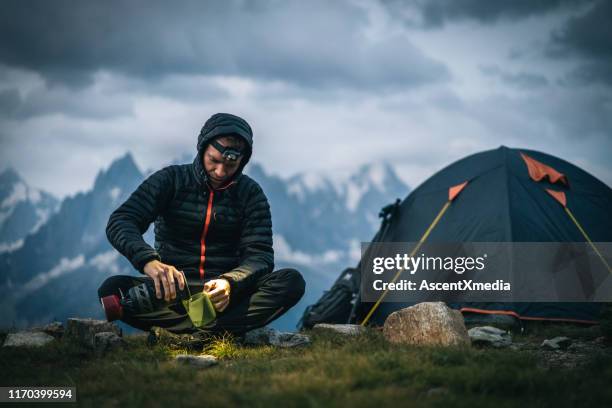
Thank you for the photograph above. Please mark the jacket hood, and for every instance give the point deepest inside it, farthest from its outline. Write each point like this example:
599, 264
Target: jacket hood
222, 124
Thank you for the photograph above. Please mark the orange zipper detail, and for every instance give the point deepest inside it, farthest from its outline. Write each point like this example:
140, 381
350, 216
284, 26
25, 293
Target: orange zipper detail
204, 232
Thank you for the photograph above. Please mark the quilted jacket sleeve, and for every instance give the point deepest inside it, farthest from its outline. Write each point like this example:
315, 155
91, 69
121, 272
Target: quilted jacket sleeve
256, 253
128, 222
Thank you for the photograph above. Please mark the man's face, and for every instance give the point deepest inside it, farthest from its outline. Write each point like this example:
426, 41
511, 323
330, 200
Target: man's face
218, 169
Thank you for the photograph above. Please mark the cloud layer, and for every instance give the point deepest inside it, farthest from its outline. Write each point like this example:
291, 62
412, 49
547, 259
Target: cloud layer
313, 44
325, 85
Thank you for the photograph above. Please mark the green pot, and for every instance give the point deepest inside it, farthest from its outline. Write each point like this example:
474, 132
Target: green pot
200, 309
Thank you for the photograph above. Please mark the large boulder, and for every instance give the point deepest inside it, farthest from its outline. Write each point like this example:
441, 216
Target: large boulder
84, 330
427, 324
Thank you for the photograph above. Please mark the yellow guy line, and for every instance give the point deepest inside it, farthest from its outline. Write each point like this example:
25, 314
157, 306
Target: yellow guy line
567, 210
421, 241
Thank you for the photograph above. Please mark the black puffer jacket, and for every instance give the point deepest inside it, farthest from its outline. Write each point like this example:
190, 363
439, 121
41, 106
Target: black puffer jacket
204, 232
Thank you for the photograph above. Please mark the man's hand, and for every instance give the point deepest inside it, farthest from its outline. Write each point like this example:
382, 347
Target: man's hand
164, 275
219, 292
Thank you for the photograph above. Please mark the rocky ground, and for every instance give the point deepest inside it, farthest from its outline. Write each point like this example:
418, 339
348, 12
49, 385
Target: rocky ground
560, 346
500, 364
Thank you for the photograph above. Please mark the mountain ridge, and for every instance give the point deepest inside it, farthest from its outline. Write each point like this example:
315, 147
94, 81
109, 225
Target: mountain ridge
23, 209
57, 270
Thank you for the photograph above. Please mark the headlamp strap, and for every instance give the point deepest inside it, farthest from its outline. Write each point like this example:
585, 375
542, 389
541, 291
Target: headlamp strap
228, 152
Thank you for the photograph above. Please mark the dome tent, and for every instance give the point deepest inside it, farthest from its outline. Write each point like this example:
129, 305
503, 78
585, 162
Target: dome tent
500, 195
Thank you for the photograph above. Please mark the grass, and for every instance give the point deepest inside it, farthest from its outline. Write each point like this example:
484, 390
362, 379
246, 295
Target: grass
333, 371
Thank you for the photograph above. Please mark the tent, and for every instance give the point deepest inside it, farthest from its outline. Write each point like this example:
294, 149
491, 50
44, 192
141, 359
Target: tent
500, 195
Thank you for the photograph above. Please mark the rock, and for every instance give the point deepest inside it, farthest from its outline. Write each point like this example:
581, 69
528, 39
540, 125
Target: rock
574, 347
518, 346
27, 339
83, 331
55, 329
499, 321
557, 343
344, 329
107, 341
428, 323
490, 336
197, 361
259, 337
267, 336
287, 340
578, 353
600, 340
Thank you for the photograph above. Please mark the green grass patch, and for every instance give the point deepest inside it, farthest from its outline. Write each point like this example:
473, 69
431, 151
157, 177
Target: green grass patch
332, 371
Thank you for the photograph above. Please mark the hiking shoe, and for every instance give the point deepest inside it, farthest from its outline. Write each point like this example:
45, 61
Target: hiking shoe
160, 336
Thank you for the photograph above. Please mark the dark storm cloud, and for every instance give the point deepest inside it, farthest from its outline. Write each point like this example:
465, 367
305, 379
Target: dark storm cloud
111, 96
520, 80
589, 38
436, 13
44, 102
313, 44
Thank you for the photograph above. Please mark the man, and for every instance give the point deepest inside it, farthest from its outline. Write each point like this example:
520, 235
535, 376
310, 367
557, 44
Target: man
213, 223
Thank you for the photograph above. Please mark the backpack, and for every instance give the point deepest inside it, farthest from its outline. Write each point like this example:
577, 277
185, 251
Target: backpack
336, 304
341, 303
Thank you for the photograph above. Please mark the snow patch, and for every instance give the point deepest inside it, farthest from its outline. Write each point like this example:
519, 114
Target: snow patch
19, 193
314, 181
43, 216
64, 266
114, 193
34, 195
106, 262
354, 192
369, 177
284, 252
5, 214
308, 183
296, 190
11, 246
349, 186
376, 174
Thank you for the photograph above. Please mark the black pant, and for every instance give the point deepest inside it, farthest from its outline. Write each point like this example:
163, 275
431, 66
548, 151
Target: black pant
272, 296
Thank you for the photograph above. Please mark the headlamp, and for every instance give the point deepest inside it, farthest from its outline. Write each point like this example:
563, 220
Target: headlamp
228, 152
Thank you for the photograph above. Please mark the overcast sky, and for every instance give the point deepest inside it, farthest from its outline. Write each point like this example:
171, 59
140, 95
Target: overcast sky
325, 85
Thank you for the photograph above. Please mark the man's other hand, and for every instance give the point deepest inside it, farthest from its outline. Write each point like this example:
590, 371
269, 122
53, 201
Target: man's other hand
219, 292
164, 275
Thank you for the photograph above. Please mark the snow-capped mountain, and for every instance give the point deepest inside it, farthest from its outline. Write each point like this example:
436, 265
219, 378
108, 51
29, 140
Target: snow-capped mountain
56, 272
319, 220
318, 223
23, 209
316, 213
